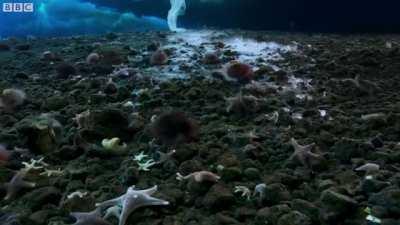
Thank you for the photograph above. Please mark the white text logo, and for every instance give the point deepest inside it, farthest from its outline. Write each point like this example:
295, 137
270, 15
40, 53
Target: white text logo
17, 7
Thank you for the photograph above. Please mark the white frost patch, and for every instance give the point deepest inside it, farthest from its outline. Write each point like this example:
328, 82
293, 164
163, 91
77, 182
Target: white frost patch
191, 45
249, 50
297, 116
322, 112
296, 82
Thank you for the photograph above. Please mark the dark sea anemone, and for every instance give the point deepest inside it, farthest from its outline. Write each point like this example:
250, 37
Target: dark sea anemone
241, 72
211, 59
4, 47
64, 70
4, 153
159, 57
172, 128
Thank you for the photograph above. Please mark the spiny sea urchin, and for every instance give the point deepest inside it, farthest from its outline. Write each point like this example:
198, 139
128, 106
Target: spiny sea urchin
174, 127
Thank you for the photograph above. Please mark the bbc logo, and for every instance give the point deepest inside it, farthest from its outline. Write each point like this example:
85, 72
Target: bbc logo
17, 7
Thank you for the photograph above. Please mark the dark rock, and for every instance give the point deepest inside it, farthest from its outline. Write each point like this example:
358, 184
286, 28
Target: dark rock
231, 174
23, 47
225, 220
218, 197
276, 193
8, 218
294, 218
40, 134
244, 213
64, 70
252, 173
4, 47
54, 103
68, 152
369, 186
100, 124
270, 215
43, 196
345, 149
21, 75
336, 207
377, 142
40, 217
307, 208
76, 204
389, 199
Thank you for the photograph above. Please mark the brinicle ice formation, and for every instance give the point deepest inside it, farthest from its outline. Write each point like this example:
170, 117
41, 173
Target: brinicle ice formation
178, 8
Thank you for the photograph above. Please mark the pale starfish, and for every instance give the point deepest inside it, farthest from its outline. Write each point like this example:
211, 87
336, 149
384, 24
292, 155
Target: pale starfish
90, 218
244, 190
145, 166
132, 200
113, 211
303, 153
16, 184
34, 164
199, 176
78, 194
163, 157
51, 173
139, 157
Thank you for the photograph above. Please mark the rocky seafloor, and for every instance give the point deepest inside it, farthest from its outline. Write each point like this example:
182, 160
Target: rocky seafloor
85, 129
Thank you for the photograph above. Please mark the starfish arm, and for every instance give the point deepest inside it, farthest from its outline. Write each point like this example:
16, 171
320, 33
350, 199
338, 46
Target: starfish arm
27, 184
155, 201
149, 191
295, 144
126, 211
309, 147
292, 157
113, 211
79, 215
11, 191
109, 202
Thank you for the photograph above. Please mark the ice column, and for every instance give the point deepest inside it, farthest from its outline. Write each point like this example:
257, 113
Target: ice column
178, 8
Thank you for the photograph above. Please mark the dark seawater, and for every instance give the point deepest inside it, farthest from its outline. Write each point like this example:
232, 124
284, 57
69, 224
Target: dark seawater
59, 17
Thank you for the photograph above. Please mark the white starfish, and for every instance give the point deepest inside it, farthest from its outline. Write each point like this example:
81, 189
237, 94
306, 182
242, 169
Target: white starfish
93, 218
113, 211
78, 194
132, 200
34, 164
139, 157
145, 166
244, 190
50, 173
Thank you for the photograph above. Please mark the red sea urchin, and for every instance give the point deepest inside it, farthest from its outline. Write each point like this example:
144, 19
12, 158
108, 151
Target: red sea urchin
159, 57
174, 127
241, 72
4, 154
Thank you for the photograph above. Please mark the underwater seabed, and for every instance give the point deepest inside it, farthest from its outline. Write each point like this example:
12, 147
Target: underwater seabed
200, 127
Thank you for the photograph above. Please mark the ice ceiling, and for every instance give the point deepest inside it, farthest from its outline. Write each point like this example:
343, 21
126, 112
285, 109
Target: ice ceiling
55, 17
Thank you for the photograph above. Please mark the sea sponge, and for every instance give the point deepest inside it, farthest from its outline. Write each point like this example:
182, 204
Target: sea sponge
114, 145
92, 58
110, 87
11, 98
241, 72
174, 127
159, 57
